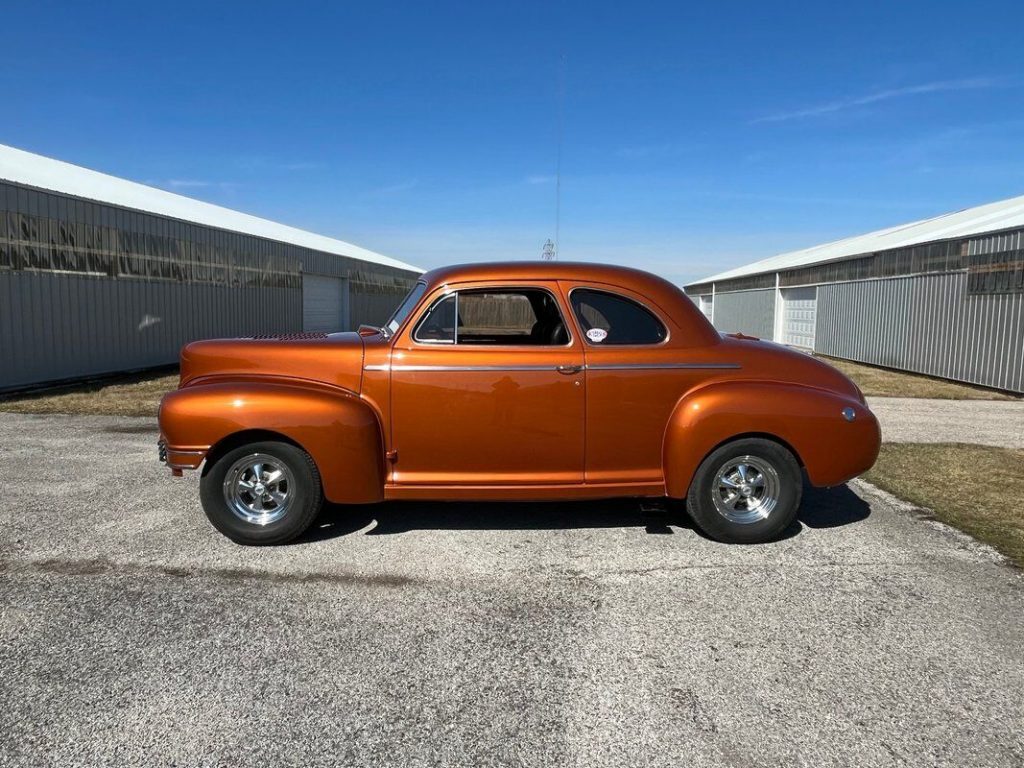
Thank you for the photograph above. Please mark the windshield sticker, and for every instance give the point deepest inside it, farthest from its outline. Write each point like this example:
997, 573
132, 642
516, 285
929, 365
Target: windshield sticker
597, 334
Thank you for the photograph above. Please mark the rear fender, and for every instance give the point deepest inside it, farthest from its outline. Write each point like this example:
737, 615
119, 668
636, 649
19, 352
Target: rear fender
338, 430
808, 420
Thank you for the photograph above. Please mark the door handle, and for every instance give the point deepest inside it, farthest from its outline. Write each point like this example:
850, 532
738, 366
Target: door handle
569, 370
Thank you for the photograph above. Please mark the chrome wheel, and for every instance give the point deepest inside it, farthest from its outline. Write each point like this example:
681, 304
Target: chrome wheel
746, 489
258, 488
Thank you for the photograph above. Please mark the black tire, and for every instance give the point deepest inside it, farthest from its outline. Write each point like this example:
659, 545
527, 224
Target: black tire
302, 492
725, 524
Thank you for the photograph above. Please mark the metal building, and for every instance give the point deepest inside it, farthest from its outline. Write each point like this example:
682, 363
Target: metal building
100, 275
943, 297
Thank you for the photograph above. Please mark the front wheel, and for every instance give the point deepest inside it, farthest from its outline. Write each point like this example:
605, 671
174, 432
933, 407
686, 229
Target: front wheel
261, 493
746, 492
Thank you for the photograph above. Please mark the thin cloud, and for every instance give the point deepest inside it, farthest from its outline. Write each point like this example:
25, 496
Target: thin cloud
182, 185
940, 86
271, 164
822, 201
302, 166
655, 150
393, 189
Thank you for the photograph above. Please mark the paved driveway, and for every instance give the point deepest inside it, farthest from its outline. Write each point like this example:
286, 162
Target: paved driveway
538, 635
985, 422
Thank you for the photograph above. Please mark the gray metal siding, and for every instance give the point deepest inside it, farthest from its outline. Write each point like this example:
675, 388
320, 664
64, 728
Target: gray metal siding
926, 324
373, 301
88, 288
751, 312
950, 308
61, 326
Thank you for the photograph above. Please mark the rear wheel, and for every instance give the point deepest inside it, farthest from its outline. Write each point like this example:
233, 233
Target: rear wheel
261, 493
746, 492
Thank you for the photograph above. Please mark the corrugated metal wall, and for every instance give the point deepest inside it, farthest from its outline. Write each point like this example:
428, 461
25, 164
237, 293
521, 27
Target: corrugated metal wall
88, 288
925, 324
374, 297
952, 308
61, 326
751, 312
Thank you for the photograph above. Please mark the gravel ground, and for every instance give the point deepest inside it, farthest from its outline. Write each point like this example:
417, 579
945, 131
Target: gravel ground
459, 634
984, 422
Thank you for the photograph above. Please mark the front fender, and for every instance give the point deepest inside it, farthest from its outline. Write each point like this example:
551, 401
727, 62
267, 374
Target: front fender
338, 430
809, 420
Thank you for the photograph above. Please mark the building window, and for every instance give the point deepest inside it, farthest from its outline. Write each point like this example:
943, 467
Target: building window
1000, 272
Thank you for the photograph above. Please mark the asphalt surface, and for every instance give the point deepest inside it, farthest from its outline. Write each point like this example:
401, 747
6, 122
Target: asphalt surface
918, 420
540, 635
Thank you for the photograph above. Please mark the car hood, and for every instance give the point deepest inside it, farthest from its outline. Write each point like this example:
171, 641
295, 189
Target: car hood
335, 359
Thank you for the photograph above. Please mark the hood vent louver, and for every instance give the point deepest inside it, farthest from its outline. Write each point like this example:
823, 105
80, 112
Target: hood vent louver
298, 336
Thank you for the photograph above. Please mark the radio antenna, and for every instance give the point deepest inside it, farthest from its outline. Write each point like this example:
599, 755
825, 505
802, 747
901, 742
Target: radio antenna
558, 160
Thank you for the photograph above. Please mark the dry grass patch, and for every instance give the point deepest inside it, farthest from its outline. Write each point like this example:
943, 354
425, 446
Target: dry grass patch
971, 487
880, 382
125, 396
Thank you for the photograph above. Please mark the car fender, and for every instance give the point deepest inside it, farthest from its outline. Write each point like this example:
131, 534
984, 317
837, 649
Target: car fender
335, 427
810, 421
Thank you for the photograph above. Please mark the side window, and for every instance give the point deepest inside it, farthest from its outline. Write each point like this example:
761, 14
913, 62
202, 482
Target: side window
494, 317
438, 324
607, 319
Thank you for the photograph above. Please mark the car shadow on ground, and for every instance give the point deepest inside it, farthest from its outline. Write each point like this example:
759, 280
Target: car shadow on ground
821, 508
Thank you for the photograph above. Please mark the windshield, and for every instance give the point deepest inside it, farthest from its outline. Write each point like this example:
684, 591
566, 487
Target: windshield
406, 307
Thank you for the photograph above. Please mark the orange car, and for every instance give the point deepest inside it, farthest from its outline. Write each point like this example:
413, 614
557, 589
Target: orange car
516, 381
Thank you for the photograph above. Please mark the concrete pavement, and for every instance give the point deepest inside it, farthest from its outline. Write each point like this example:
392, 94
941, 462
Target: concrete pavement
984, 422
458, 634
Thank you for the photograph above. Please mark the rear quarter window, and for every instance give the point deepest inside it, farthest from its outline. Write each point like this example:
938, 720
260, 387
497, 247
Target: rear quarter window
608, 319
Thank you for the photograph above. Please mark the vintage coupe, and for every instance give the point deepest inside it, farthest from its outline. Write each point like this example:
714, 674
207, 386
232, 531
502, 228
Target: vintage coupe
515, 381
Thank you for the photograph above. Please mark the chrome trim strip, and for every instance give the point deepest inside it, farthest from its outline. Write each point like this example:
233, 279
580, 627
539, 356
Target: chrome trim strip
474, 367
608, 367
660, 366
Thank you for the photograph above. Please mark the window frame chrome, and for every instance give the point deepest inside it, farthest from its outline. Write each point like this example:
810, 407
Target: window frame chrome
511, 288
425, 315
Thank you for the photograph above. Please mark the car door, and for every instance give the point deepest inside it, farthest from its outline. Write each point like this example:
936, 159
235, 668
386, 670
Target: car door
636, 372
487, 389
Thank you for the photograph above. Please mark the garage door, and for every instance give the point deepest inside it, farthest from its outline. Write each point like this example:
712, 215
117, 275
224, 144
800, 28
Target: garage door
706, 303
324, 303
799, 313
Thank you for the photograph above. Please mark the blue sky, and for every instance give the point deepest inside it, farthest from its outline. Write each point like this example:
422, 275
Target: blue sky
695, 138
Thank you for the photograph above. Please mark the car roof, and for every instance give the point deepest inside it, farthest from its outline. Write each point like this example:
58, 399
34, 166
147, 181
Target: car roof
541, 270
669, 297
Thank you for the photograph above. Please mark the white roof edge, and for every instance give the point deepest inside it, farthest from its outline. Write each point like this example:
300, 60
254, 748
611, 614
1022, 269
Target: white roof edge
990, 217
21, 167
